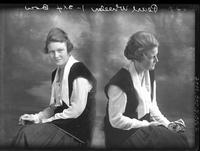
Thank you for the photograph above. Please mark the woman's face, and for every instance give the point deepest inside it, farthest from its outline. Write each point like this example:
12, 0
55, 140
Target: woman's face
58, 53
150, 59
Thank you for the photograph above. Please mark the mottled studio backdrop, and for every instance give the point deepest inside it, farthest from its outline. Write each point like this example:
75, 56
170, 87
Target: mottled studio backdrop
99, 38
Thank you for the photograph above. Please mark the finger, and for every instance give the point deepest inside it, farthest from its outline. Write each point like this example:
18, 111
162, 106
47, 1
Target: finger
26, 116
28, 119
21, 122
20, 119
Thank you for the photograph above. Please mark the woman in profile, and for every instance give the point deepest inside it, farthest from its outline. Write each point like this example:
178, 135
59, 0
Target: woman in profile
67, 121
133, 118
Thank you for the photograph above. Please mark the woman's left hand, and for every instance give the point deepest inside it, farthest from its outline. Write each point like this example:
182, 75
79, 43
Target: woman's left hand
172, 126
154, 123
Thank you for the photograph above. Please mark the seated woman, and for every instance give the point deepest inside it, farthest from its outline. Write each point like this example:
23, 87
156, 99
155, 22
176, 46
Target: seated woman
133, 118
67, 121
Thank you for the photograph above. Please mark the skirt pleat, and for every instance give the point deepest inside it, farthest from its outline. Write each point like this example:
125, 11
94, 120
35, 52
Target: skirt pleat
156, 137
44, 135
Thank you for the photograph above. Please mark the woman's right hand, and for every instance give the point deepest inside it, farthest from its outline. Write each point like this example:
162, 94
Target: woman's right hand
26, 119
154, 123
177, 126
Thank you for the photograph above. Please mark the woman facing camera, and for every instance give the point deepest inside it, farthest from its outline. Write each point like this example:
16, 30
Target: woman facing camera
67, 121
133, 118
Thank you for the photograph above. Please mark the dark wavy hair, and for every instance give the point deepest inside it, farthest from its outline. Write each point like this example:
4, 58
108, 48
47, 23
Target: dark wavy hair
58, 35
138, 43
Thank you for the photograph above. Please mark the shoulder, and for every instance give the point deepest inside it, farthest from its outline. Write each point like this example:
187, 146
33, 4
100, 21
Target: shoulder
121, 74
79, 67
121, 79
114, 91
79, 70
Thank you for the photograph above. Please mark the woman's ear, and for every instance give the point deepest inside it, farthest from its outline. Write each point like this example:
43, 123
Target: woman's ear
69, 46
139, 55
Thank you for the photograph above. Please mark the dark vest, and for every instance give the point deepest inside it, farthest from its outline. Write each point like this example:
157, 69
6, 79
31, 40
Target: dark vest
82, 126
114, 136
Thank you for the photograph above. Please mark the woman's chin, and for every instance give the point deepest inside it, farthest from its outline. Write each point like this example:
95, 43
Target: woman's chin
58, 63
152, 68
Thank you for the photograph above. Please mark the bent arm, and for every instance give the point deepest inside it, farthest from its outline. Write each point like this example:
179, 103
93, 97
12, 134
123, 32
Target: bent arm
116, 107
155, 112
158, 116
81, 87
44, 114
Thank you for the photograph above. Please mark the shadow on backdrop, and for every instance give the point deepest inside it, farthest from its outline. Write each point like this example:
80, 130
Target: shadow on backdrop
99, 40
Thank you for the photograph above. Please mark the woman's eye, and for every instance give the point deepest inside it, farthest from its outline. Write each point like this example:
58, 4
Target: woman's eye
60, 50
51, 52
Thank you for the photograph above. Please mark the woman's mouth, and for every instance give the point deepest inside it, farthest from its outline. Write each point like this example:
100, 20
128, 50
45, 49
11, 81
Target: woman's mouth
57, 60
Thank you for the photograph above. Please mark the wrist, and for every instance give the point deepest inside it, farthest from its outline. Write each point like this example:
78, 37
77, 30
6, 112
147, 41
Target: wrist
166, 124
145, 123
47, 120
36, 118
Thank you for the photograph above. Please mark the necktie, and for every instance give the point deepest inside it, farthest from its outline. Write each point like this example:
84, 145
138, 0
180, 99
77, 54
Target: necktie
59, 80
59, 75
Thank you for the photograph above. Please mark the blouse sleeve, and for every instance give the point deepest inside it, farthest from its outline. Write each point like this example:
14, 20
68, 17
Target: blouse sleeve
157, 115
116, 107
81, 87
44, 114
155, 112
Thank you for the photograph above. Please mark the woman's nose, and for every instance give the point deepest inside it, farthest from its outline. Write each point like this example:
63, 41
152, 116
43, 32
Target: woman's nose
56, 54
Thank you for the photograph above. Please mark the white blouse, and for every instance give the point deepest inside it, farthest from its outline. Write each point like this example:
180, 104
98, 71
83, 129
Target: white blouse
78, 100
117, 104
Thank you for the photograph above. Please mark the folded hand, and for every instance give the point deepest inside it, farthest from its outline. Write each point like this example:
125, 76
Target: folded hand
177, 126
26, 119
155, 123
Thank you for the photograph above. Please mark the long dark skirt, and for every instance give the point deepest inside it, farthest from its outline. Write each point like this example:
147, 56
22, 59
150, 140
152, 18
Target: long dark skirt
156, 137
44, 135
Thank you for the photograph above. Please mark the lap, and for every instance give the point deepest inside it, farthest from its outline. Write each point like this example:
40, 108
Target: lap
44, 135
156, 137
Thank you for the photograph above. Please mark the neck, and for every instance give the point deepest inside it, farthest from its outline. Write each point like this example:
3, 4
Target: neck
138, 67
62, 66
